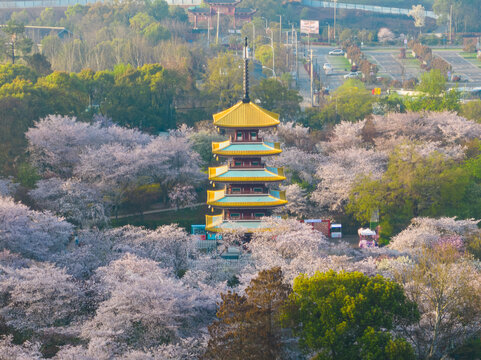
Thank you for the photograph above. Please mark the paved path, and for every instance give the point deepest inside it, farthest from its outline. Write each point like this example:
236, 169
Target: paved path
156, 211
461, 66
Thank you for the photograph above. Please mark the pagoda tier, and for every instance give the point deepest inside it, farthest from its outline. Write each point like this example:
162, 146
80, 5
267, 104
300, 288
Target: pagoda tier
222, 223
225, 174
246, 115
237, 199
230, 148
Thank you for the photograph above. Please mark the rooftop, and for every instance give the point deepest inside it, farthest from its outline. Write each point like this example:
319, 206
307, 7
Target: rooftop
227, 148
246, 115
224, 174
220, 199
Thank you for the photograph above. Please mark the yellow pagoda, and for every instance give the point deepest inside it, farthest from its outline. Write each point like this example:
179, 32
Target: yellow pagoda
244, 197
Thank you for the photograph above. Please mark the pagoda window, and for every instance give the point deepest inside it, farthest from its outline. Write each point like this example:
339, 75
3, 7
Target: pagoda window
234, 215
258, 215
239, 135
255, 163
236, 190
253, 135
238, 163
258, 190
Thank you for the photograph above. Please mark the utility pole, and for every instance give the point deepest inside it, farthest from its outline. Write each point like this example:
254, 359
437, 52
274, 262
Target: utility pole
308, 41
451, 25
253, 39
335, 8
297, 60
328, 33
218, 20
208, 30
280, 30
273, 52
312, 80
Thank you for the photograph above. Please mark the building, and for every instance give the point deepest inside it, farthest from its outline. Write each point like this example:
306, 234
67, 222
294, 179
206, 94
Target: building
201, 17
243, 196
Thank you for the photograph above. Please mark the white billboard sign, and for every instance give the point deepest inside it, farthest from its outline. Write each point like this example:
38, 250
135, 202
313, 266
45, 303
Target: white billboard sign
309, 26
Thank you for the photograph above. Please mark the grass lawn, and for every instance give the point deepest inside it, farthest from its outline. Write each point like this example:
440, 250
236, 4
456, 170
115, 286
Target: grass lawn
471, 57
184, 217
339, 62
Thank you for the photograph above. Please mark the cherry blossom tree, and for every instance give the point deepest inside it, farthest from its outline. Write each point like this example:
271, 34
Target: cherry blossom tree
32, 233
115, 168
7, 187
294, 246
385, 35
92, 249
26, 351
299, 165
298, 204
38, 296
447, 287
426, 232
182, 195
295, 135
56, 142
79, 203
145, 308
169, 245
339, 173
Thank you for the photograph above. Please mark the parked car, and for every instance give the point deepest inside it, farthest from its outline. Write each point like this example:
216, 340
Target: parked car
352, 75
327, 66
336, 52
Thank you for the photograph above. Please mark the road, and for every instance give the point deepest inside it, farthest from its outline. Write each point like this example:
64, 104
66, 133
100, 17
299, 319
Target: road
461, 66
389, 63
331, 81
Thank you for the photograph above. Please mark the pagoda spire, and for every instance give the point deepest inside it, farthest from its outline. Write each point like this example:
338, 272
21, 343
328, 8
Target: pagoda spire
246, 98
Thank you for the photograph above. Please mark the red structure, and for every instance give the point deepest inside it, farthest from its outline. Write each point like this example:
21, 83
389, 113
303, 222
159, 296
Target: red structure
202, 16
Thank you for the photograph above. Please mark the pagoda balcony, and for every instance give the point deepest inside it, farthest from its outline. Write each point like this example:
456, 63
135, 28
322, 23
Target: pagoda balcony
224, 174
244, 140
233, 165
245, 148
220, 199
217, 223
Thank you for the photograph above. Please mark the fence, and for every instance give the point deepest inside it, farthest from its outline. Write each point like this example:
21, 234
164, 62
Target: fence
371, 8
42, 3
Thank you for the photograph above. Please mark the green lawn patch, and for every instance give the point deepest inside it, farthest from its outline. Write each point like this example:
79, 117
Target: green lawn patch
339, 62
184, 217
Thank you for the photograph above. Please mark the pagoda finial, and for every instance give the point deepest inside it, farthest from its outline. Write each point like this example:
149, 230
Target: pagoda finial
246, 98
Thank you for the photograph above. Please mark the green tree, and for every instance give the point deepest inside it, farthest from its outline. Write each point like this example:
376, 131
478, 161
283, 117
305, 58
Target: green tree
248, 326
17, 42
350, 102
472, 110
432, 83
274, 96
413, 186
350, 316
223, 80
158, 9
466, 14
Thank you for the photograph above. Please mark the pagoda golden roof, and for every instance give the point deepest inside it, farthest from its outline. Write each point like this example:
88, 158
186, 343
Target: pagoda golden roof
246, 115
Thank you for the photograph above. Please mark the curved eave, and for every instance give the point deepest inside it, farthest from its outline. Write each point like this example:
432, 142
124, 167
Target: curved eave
244, 204
228, 148
247, 179
247, 152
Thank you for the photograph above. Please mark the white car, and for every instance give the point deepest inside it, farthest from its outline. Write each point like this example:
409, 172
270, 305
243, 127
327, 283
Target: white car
352, 75
336, 52
327, 66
